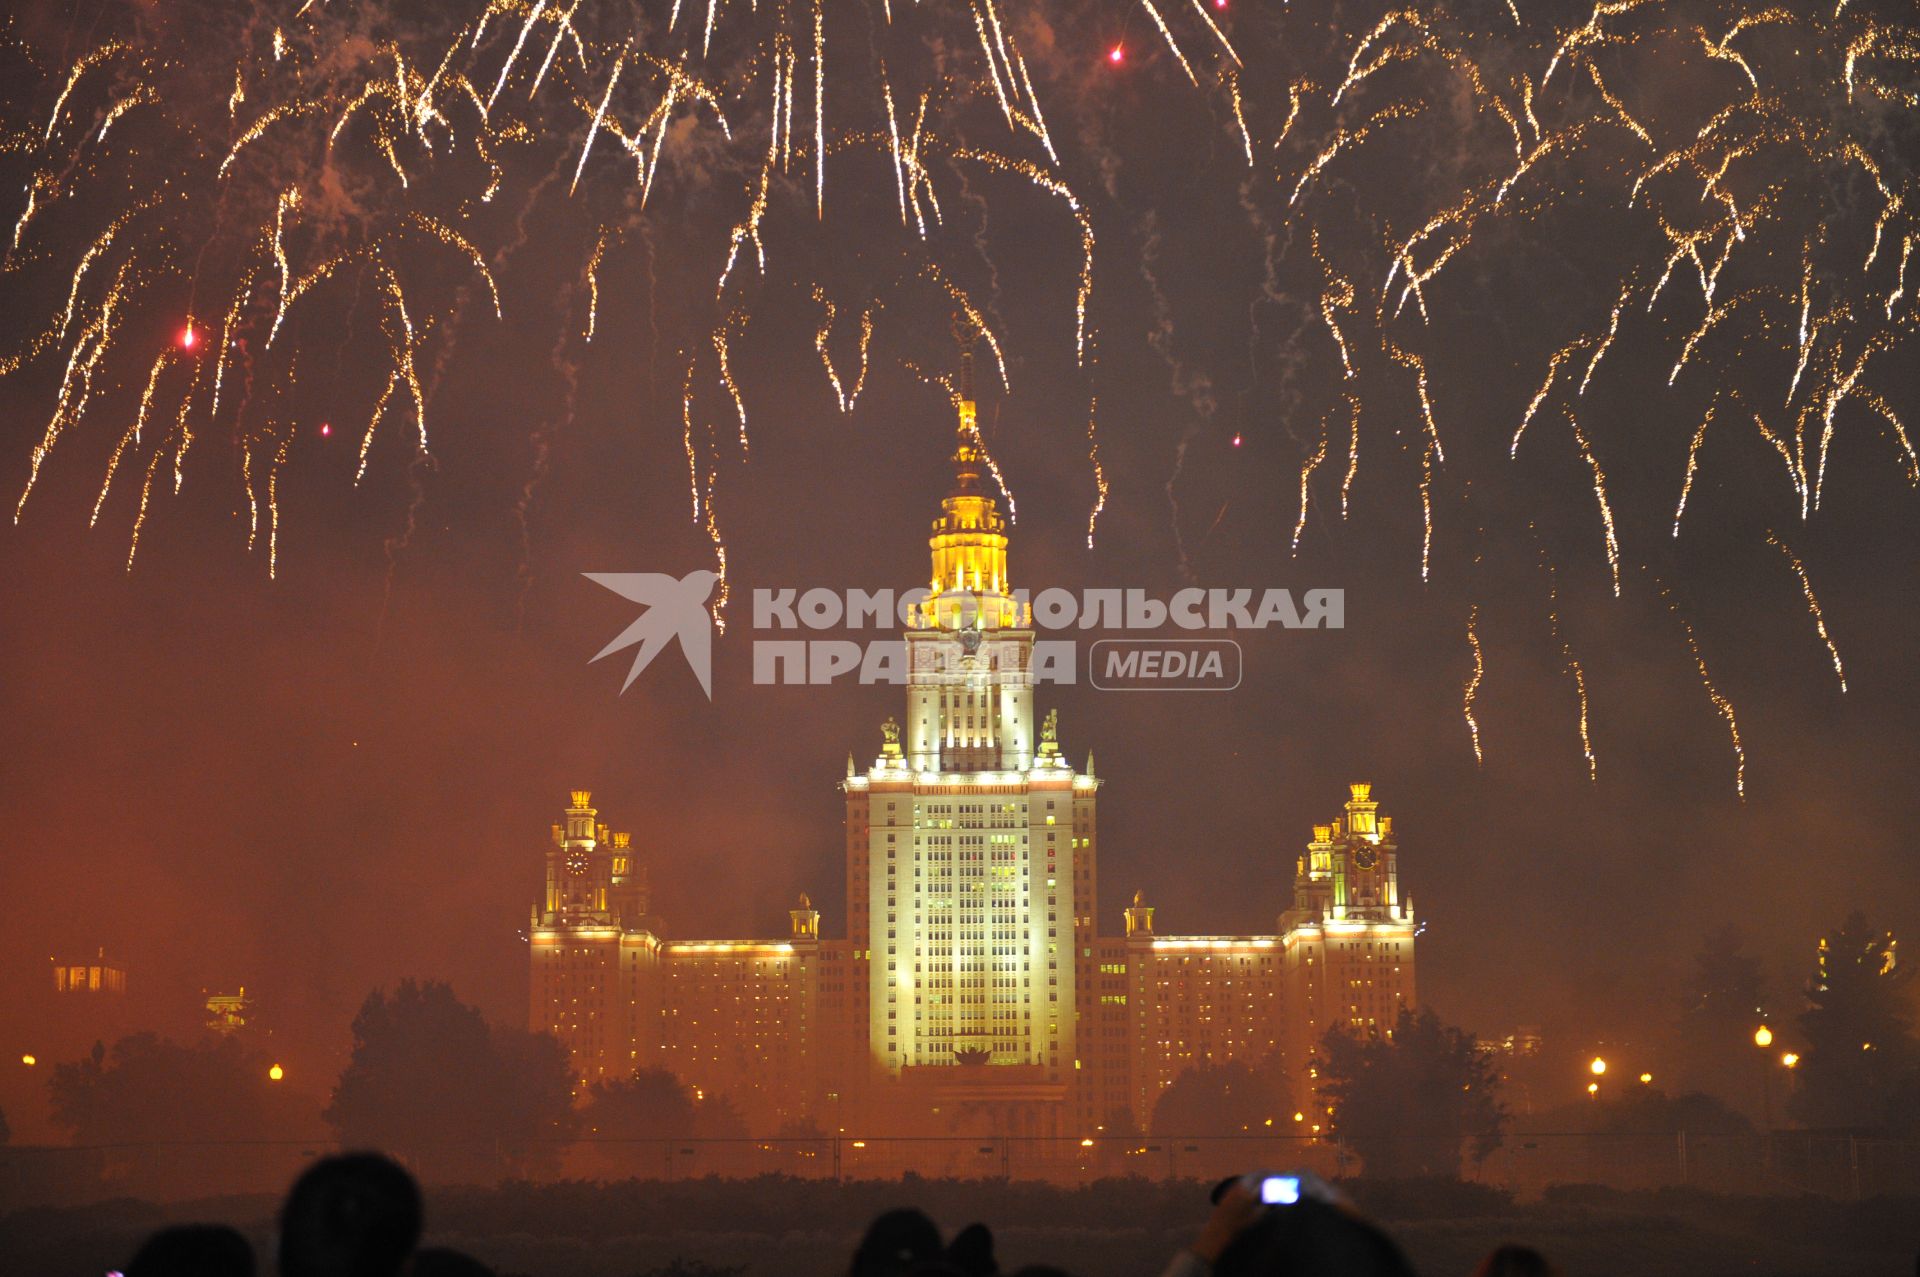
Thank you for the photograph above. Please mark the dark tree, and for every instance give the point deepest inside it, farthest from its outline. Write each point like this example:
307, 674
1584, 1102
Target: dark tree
149, 1089
718, 1118
431, 1082
1724, 1000
650, 1105
1222, 1099
1860, 1056
803, 1138
1120, 1123
1642, 1110
1409, 1101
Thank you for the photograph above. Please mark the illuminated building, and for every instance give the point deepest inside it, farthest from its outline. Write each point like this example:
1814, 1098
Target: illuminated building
98, 974
227, 1012
972, 981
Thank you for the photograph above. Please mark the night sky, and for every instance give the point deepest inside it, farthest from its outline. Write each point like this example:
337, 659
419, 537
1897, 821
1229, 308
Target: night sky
322, 782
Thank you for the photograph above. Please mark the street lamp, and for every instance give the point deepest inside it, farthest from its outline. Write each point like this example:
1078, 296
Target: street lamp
1763, 1037
275, 1073
1598, 1066
1791, 1059
1646, 1079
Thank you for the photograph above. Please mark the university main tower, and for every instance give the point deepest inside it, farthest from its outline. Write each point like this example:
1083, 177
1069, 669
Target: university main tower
972, 981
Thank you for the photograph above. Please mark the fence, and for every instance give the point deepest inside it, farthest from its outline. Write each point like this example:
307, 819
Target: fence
1829, 1164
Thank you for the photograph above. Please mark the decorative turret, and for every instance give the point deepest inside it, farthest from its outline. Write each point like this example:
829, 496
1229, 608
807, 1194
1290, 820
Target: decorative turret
1139, 917
806, 919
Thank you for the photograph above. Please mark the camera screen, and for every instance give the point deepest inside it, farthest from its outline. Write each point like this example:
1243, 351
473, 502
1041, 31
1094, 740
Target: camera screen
1280, 1190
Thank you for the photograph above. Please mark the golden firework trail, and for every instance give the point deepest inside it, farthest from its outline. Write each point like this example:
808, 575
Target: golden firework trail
1353, 450
1311, 464
1571, 664
1813, 605
1408, 359
1471, 691
1099, 471
846, 397
722, 349
593, 280
1721, 704
1693, 462
1599, 496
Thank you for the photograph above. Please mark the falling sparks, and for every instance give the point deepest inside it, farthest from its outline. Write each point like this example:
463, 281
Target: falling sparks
1571, 664
1813, 606
599, 115
1471, 691
1311, 464
846, 396
1721, 704
1600, 497
211, 278
1693, 465
1099, 471
593, 281
1353, 451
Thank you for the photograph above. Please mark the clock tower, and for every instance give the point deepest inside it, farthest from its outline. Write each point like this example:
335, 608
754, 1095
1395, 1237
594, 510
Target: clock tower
588, 946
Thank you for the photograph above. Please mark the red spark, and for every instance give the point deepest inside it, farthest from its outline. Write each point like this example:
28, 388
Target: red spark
1116, 55
326, 429
1236, 441
188, 336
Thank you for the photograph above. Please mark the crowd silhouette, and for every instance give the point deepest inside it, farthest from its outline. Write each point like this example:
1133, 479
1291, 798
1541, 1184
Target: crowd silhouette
362, 1215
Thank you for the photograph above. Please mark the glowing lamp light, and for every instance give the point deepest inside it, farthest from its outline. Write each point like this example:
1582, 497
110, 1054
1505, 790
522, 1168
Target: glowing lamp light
859, 1143
1116, 55
275, 1073
1593, 1088
1763, 1037
1086, 1143
1646, 1078
1299, 1117
1791, 1059
29, 1060
1598, 1067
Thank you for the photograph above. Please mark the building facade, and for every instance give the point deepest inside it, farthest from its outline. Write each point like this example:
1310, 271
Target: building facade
973, 983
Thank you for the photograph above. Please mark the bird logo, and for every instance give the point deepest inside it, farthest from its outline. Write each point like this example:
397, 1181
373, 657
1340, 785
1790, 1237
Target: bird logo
674, 608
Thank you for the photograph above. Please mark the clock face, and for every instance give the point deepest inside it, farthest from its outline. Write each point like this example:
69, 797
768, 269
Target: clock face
1364, 856
577, 862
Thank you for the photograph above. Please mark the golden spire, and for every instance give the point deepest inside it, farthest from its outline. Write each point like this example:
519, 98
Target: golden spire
969, 541
966, 451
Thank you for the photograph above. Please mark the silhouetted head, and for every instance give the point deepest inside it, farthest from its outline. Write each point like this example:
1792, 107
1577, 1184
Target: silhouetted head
357, 1215
895, 1242
1516, 1261
971, 1251
1312, 1239
438, 1261
193, 1250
